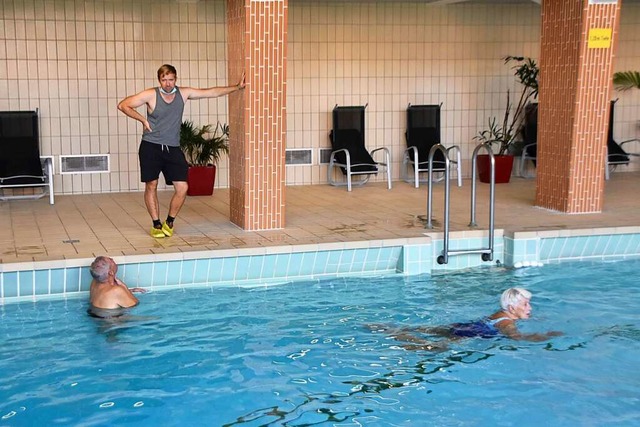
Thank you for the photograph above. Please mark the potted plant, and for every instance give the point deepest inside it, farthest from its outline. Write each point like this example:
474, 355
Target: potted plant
504, 134
202, 149
625, 80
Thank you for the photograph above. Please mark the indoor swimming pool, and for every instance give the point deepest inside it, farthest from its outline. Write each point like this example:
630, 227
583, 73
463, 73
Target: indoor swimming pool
300, 354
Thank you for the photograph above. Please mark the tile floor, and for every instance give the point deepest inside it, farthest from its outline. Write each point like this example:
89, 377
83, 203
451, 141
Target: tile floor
116, 224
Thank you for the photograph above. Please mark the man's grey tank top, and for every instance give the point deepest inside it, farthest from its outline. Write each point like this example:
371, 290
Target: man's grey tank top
165, 121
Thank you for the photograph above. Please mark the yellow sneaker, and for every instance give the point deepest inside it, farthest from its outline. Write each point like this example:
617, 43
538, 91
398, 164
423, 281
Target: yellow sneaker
157, 233
166, 230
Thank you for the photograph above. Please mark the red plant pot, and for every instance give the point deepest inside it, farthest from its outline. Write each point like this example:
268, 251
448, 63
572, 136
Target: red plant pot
201, 180
504, 166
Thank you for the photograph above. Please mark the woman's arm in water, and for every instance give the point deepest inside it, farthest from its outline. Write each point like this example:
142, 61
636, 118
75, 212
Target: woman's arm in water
509, 329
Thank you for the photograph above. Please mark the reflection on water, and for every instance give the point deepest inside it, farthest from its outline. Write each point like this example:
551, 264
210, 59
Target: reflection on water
322, 407
629, 332
301, 355
397, 378
275, 416
111, 327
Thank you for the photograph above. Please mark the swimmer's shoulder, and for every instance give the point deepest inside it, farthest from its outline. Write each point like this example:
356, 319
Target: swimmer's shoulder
500, 318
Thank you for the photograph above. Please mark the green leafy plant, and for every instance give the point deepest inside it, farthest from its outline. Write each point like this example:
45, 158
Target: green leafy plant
625, 80
504, 134
201, 145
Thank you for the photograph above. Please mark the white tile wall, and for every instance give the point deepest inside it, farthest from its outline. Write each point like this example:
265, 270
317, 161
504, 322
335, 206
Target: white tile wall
74, 60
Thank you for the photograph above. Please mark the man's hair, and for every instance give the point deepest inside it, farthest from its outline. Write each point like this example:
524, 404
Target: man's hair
167, 69
100, 268
513, 296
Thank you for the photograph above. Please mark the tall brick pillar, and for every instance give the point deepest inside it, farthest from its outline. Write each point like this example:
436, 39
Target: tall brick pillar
576, 66
257, 39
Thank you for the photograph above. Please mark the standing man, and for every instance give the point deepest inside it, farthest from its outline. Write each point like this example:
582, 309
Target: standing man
108, 295
160, 147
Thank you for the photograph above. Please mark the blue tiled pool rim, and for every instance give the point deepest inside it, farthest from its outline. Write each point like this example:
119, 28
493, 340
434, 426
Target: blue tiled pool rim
273, 265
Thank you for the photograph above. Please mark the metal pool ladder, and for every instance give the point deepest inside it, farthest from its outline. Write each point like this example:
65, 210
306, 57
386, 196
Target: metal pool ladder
486, 252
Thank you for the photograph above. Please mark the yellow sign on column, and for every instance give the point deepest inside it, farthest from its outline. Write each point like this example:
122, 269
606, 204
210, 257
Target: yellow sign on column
599, 38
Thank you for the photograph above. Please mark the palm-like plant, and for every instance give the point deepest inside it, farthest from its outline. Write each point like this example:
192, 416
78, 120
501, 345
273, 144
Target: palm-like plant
625, 80
201, 146
504, 134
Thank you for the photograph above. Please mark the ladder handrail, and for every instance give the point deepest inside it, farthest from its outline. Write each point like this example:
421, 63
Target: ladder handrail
447, 191
487, 253
492, 191
432, 153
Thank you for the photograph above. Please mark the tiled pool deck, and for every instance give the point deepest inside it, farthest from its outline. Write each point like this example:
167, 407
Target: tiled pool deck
328, 232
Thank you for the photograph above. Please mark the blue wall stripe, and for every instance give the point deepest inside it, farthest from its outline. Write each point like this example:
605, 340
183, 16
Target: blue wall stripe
411, 256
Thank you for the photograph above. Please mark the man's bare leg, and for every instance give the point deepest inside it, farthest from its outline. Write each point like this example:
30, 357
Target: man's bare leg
151, 199
179, 196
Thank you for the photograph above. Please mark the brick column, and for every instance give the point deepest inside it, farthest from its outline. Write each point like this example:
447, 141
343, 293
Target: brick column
257, 39
576, 67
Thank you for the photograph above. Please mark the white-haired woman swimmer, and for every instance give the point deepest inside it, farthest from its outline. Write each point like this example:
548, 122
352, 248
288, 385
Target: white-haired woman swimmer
515, 303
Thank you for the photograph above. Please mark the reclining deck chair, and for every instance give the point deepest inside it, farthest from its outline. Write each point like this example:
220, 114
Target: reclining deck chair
20, 164
423, 132
616, 154
349, 152
530, 138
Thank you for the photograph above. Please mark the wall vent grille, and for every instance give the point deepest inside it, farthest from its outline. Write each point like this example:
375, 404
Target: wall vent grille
90, 163
299, 156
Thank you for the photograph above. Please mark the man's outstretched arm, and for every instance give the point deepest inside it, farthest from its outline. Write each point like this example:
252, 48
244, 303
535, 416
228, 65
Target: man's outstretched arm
212, 92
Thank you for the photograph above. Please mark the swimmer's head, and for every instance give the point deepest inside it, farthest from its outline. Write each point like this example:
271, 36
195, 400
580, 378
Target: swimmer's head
515, 301
101, 267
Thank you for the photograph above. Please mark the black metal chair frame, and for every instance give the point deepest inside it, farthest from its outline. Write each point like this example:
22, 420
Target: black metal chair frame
349, 152
423, 132
20, 163
616, 154
530, 138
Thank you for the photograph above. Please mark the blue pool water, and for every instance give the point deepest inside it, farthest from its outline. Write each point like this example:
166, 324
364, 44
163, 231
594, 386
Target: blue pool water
299, 354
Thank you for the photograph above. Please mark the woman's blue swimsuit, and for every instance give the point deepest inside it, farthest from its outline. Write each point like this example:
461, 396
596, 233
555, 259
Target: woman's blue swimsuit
484, 328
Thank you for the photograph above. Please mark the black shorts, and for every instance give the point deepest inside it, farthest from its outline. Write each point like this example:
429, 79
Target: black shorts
156, 158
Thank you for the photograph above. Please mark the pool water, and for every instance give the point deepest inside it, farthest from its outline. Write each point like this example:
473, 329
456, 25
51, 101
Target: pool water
300, 354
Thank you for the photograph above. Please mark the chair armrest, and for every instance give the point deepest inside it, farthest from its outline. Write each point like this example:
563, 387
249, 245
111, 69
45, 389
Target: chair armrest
453, 148
412, 148
387, 154
524, 149
337, 151
407, 156
630, 140
378, 149
333, 156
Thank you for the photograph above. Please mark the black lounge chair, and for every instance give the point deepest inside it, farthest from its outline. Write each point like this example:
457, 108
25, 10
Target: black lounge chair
616, 154
530, 138
423, 132
20, 163
349, 152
